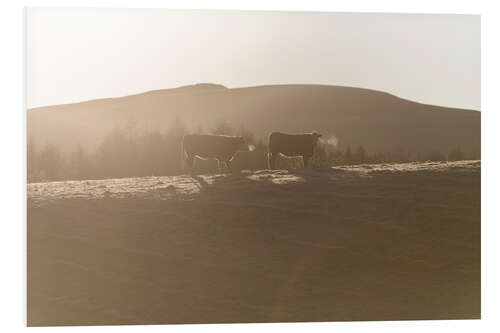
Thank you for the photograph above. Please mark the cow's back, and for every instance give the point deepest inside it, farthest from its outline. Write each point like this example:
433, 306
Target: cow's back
290, 144
203, 145
211, 146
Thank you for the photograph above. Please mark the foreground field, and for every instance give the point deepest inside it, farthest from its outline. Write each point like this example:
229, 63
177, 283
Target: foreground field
371, 242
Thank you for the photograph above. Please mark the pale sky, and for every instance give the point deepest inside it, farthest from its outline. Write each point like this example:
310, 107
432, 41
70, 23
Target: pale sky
77, 54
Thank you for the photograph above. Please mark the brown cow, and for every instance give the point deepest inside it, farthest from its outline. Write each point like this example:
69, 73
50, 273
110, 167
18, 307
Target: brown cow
292, 145
205, 146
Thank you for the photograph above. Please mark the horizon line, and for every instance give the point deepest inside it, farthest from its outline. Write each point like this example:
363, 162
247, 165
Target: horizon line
245, 87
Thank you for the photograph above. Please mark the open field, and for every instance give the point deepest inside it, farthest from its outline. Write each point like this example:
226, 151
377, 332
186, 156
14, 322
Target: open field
368, 242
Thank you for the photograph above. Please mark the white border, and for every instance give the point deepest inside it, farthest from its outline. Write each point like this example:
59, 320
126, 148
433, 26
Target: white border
12, 171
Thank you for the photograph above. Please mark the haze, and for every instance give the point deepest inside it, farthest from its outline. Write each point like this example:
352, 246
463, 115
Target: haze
77, 54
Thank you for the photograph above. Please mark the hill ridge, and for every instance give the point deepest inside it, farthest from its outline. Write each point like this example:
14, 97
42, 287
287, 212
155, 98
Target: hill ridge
216, 87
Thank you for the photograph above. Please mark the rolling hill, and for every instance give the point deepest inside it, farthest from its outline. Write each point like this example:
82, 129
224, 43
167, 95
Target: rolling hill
376, 120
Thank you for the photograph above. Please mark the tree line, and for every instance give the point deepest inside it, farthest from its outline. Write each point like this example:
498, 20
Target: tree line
129, 152
325, 158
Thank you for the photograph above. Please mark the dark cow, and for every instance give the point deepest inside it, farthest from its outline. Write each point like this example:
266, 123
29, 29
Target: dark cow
292, 145
205, 146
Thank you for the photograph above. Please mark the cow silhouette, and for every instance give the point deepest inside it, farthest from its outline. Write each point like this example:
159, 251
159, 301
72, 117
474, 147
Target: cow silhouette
292, 145
206, 146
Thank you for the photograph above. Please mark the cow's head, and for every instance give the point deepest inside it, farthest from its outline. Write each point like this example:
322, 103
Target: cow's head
243, 145
315, 137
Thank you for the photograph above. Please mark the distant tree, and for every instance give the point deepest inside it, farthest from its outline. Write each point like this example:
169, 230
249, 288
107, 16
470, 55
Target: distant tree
117, 154
456, 155
336, 157
173, 144
474, 155
222, 127
199, 129
79, 166
50, 163
260, 145
152, 151
32, 161
320, 157
418, 157
398, 156
435, 156
348, 156
177, 129
359, 155
405, 156
246, 134
379, 158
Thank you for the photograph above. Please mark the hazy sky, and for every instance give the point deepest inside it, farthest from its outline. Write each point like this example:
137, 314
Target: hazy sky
76, 54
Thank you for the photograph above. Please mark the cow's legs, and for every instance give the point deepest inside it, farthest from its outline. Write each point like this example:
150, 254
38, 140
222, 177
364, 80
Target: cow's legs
271, 158
228, 165
189, 163
305, 159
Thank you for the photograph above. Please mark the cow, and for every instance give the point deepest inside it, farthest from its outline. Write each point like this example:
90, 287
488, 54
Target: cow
205, 146
292, 145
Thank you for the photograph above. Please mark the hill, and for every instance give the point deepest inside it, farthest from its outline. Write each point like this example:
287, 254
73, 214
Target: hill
376, 120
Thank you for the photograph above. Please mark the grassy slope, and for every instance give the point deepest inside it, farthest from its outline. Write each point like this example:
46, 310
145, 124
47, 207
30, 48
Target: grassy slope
359, 243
